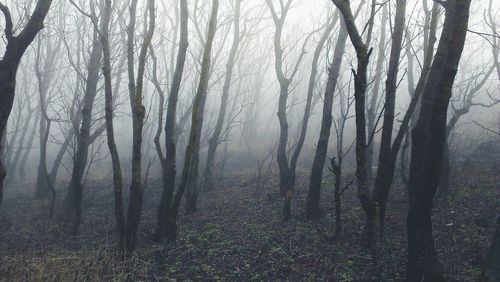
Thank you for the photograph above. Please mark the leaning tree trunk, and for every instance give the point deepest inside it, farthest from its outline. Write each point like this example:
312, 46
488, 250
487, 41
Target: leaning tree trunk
189, 179
14, 50
314, 194
208, 177
428, 138
166, 218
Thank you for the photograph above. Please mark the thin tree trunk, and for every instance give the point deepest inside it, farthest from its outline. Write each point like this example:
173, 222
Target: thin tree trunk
208, 175
385, 169
314, 194
189, 179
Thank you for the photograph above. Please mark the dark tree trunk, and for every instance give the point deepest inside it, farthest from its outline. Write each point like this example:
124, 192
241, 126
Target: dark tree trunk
14, 50
428, 141
72, 207
491, 269
108, 111
386, 168
313, 197
165, 216
138, 114
189, 179
360, 85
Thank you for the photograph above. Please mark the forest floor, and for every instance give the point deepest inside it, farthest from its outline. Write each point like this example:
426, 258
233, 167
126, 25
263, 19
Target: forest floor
238, 234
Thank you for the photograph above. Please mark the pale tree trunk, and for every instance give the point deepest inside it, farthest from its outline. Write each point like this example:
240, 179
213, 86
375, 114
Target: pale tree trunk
166, 216
428, 138
374, 100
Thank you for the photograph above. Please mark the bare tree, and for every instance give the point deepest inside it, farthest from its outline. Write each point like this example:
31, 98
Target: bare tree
214, 141
14, 51
167, 212
135, 87
189, 179
360, 85
428, 138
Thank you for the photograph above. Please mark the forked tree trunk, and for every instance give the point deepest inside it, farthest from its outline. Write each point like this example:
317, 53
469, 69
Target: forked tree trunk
72, 207
360, 85
138, 114
14, 50
428, 138
166, 215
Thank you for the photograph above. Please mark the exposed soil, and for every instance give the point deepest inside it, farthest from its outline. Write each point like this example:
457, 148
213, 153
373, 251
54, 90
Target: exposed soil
238, 234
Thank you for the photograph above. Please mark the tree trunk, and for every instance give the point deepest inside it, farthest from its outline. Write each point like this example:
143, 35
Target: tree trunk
374, 105
208, 177
72, 207
138, 114
385, 169
189, 179
491, 269
164, 230
314, 194
428, 141
15, 48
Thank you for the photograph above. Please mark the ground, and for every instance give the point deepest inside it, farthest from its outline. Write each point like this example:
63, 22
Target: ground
238, 234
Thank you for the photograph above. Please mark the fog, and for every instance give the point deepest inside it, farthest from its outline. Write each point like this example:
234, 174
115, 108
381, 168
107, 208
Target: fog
242, 117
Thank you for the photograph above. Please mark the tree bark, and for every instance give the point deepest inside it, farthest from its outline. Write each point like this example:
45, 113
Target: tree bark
14, 50
166, 228
208, 177
189, 179
428, 138
314, 194
138, 114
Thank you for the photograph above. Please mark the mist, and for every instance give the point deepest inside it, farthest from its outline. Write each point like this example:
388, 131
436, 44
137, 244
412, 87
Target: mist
250, 140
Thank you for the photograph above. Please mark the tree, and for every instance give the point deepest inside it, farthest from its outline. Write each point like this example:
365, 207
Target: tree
385, 154
314, 193
214, 141
428, 138
72, 207
360, 85
189, 177
135, 87
287, 170
166, 215
14, 51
